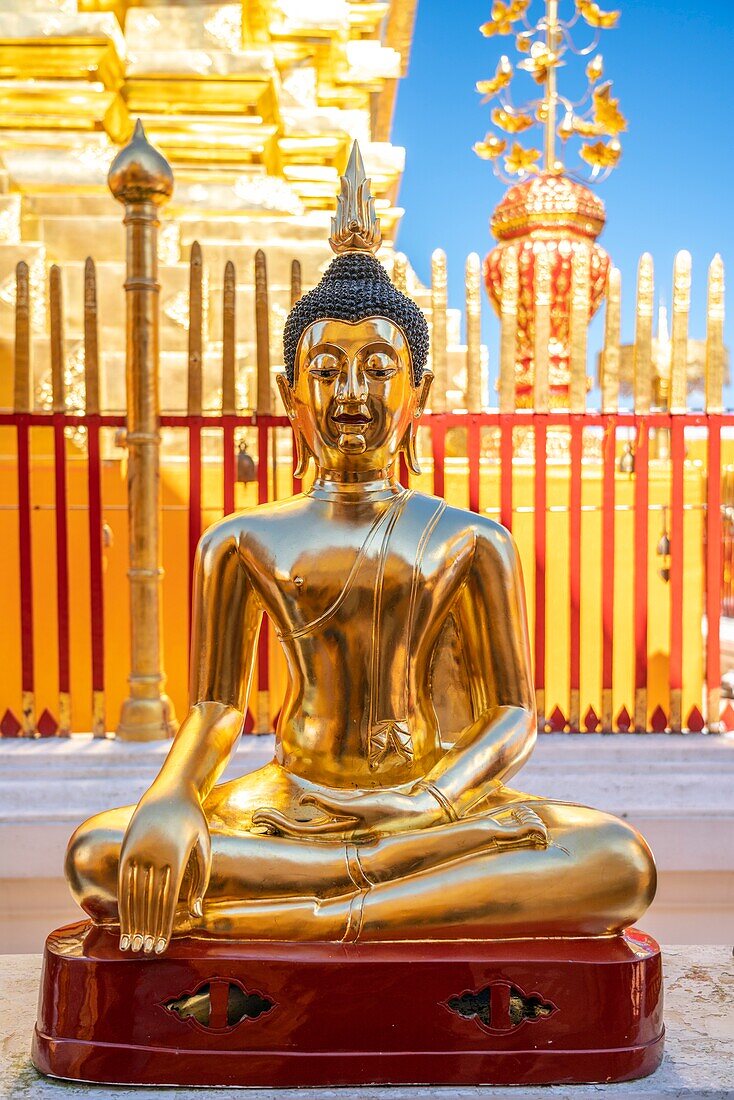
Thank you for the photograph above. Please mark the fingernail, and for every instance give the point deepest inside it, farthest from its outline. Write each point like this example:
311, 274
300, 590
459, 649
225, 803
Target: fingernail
148, 945
137, 942
160, 946
197, 908
124, 943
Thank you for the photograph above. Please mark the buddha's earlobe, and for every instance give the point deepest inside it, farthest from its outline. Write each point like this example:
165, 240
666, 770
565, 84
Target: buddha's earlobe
303, 453
407, 444
424, 388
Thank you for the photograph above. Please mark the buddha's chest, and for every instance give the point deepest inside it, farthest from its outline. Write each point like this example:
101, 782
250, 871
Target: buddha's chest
390, 579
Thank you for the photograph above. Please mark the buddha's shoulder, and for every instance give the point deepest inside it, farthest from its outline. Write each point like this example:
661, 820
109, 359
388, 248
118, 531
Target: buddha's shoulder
460, 521
255, 521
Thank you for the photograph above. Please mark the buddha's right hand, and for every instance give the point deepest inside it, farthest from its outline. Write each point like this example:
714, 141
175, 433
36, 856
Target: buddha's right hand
166, 832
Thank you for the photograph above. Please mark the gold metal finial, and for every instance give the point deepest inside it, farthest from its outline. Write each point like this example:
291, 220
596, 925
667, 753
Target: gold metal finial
139, 173
355, 227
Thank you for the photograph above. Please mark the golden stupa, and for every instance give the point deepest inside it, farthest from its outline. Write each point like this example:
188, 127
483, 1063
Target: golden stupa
255, 105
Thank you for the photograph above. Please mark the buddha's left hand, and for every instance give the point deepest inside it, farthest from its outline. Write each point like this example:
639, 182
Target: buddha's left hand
361, 814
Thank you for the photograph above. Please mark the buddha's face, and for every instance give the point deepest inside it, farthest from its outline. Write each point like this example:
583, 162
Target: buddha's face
353, 396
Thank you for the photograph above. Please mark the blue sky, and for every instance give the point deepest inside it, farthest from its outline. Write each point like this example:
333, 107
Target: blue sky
671, 64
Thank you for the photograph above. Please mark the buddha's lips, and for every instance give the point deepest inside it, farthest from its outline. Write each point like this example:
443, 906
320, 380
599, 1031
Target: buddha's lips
352, 418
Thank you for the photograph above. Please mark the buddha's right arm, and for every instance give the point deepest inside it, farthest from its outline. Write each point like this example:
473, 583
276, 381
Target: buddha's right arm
225, 625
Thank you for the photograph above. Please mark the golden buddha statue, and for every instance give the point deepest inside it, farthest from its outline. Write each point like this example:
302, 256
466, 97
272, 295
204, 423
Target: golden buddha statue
371, 822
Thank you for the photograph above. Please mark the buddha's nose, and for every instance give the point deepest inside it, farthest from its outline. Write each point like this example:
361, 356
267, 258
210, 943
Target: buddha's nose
353, 384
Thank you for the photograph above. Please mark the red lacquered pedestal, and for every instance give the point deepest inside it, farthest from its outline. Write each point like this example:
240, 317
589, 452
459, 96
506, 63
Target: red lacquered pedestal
470, 1012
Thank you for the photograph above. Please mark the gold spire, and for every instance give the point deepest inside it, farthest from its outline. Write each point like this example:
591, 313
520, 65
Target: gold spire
355, 227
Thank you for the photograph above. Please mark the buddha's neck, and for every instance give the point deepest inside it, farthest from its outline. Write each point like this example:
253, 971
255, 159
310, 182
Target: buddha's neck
355, 485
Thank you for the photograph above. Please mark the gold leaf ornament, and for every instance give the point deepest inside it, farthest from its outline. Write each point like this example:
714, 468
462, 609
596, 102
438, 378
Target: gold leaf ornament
503, 16
519, 161
595, 17
500, 80
606, 111
602, 155
595, 69
540, 61
565, 130
584, 127
491, 148
512, 122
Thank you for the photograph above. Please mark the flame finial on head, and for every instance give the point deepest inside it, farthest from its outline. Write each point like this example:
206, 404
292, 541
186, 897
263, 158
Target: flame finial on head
355, 228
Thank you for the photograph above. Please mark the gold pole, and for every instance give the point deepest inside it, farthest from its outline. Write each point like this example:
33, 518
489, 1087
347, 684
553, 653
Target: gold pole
296, 287
196, 342
715, 354
229, 293
264, 405
679, 335
22, 403
643, 336
439, 304
142, 180
473, 334
610, 354
92, 406
551, 94
508, 330
58, 392
400, 272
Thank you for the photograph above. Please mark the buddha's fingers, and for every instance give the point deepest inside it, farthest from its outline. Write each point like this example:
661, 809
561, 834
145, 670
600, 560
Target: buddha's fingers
124, 895
152, 906
164, 890
531, 825
139, 902
169, 900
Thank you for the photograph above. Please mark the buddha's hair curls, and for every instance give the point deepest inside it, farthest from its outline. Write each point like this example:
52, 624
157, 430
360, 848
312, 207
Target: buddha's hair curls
356, 286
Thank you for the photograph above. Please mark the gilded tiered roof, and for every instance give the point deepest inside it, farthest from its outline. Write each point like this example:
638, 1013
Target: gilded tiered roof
255, 105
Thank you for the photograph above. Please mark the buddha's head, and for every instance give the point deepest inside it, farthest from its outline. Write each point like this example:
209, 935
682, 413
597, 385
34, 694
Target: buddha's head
355, 347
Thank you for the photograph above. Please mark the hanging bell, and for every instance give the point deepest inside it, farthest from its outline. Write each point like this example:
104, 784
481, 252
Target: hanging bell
627, 460
246, 469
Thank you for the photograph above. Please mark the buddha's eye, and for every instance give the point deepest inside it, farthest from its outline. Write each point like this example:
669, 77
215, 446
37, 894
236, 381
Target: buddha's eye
324, 366
378, 364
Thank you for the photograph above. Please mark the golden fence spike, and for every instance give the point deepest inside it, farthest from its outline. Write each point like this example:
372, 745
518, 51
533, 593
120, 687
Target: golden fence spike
196, 306
296, 290
579, 326
610, 355
439, 348
57, 340
679, 333
400, 272
264, 405
715, 353
643, 335
22, 355
508, 330
91, 343
541, 348
228, 340
473, 285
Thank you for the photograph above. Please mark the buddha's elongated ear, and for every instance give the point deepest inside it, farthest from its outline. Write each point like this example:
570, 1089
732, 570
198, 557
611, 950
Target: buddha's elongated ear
424, 388
303, 454
407, 444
